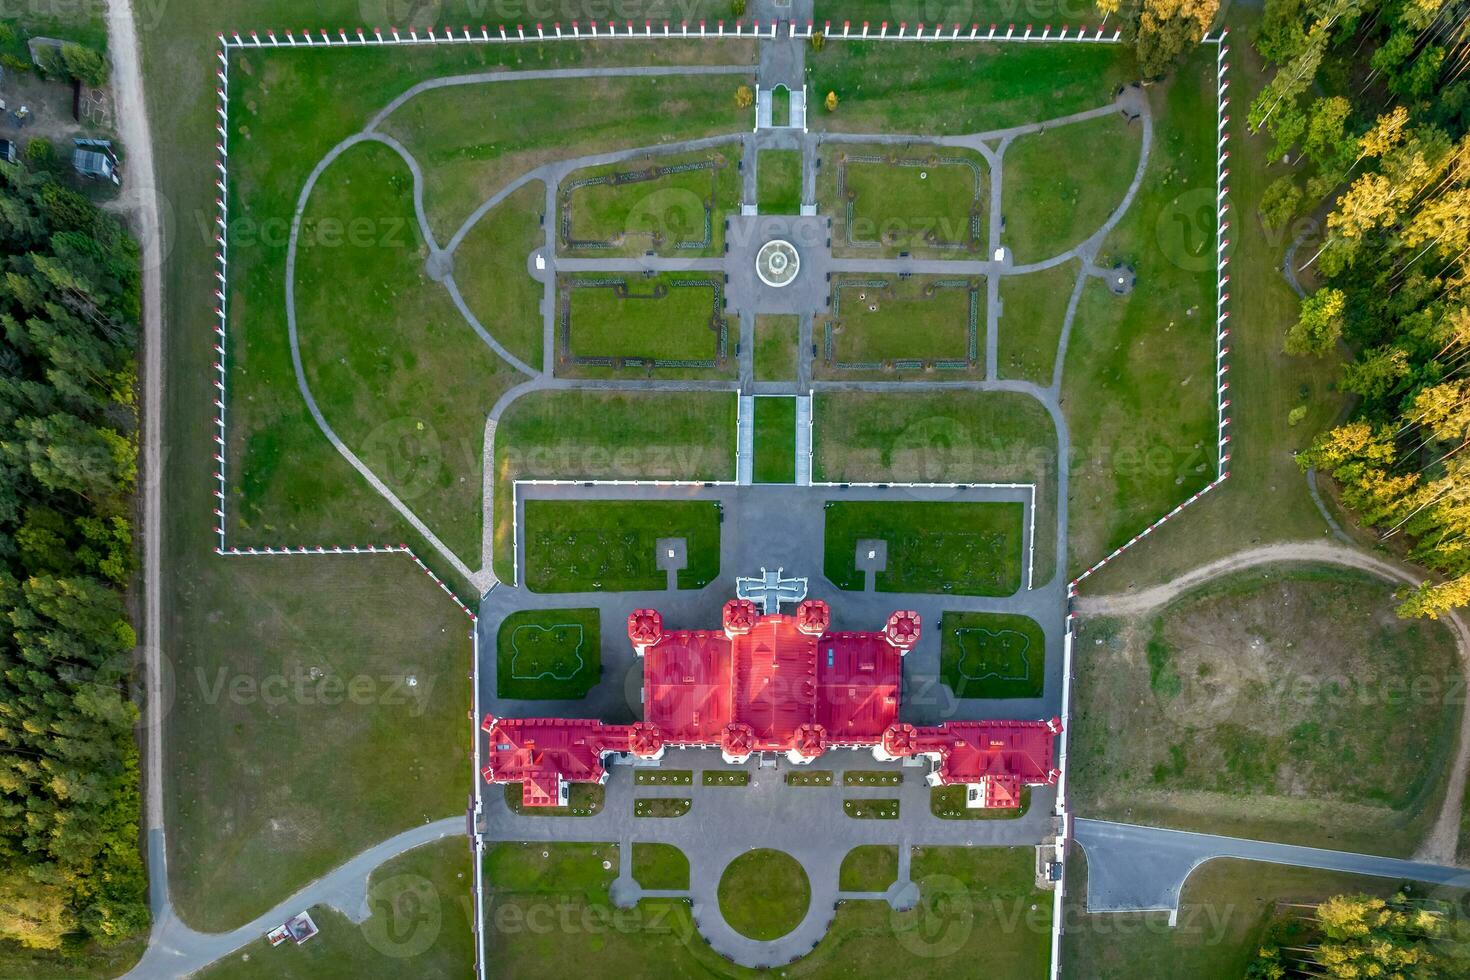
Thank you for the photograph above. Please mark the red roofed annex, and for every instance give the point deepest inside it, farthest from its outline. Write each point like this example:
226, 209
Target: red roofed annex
771, 683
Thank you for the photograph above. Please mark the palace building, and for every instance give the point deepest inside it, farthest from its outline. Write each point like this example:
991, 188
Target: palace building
773, 684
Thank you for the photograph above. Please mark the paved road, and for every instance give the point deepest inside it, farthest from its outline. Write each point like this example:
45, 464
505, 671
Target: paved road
175, 950
1132, 868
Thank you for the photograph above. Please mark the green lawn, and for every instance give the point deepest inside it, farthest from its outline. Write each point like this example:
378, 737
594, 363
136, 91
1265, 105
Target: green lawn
725, 777
661, 806
764, 894
1224, 911
1062, 183
609, 545
992, 655
1033, 310
1267, 383
471, 139
925, 200
948, 803
660, 867
291, 701
548, 654
866, 809
878, 321
814, 777
609, 435
981, 903
421, 925
410, 402
869, 868
942, 437
663, 777
937, 547
1289, 703
287, 485
583, 800
872, 777
775, 439
559, 868
668, 204
1139, 380
776, 340
491, 271
884, 88
780, 106
778, 181
670, 317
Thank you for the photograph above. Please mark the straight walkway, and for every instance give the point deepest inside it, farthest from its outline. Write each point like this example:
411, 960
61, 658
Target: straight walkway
745, 441
804, 440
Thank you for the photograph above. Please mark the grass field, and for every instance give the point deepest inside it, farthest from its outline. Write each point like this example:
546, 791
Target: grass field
1061, 184
882, 320
583, 800
610, 545
948, 803
397, 371
776, 340
548, 654
869, 868
660, 866
775, 440
1139, 379
778, 182
594, 434
421, 923
1224, 910
942, 437
764, 894
992, 655
966, 88
1286, 704
983, 903
1266, 384
490, 270
1033, 311
290, 704
472, 139
923, 200
938, 547
641, 207
672, 316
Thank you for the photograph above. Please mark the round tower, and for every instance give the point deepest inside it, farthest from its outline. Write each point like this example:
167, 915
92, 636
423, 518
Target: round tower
902, 630
645, 629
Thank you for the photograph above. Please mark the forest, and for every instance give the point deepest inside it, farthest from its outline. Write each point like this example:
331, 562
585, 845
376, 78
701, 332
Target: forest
1367, 114
71, 875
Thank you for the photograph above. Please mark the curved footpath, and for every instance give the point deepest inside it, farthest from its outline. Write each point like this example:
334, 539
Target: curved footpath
1442, 842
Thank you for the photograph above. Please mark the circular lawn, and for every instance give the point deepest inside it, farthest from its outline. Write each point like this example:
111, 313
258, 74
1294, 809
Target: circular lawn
764, 894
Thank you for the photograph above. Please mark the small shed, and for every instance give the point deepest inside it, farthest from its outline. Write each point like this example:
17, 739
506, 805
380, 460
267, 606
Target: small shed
95, 159
7, 151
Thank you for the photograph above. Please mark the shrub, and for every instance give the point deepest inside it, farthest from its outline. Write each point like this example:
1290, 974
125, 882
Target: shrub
818, 39
831, 102
744, 97
84, 64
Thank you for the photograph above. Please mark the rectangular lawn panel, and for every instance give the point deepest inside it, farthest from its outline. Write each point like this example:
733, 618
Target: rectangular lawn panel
660, 867
869, 868
944, 89
965, 548
670, 204
671, 320
585, 435
609, 545
776, 340
923, 200
566, 869
1139, 381
1033, 311
778, 181
548, 654
992, 655
885, 322
775, 439
583, 800
1062, 184
492, 275
942, 437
